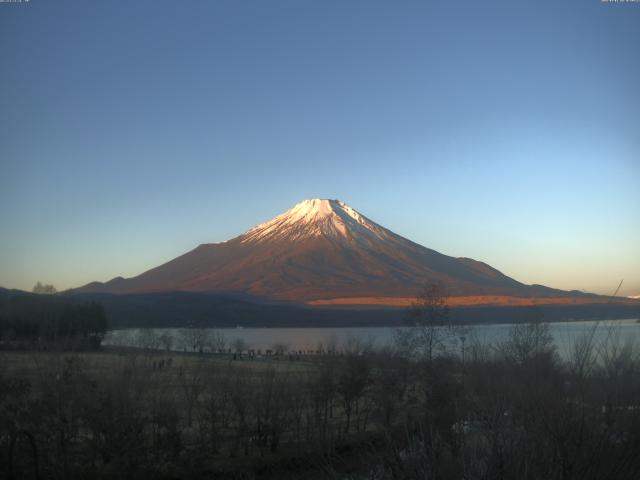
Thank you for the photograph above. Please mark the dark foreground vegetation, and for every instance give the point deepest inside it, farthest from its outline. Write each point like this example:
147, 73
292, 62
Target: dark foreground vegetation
438, 405
515, 411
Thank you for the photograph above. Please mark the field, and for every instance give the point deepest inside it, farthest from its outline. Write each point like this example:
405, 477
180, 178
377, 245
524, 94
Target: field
474, 300
513, 411
33, 364
232, 416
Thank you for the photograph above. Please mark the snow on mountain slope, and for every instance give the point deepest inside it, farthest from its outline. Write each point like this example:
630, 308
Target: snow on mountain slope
317, 218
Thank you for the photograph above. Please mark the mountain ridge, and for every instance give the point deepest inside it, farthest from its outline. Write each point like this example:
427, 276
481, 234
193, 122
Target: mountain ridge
321, 249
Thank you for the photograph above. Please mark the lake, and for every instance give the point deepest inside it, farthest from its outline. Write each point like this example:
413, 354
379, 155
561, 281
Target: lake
312, 339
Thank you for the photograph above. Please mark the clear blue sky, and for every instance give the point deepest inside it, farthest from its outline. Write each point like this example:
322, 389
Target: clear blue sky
505, 131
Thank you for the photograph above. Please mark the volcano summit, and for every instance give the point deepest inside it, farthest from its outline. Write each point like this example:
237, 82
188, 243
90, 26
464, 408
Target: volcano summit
323, 252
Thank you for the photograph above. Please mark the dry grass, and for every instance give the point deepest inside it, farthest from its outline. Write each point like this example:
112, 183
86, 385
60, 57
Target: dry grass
33, 364
468, 301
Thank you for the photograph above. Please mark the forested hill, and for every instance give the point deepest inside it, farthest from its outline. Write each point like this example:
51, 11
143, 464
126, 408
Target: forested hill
27, 319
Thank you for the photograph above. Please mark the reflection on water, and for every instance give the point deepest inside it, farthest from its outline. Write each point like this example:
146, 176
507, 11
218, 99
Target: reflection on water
565, 334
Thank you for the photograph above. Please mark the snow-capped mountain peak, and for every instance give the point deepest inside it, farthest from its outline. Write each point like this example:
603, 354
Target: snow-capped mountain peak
316, 218
320, 249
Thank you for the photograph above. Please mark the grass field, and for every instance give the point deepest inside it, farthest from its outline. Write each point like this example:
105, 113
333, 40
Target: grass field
134, 413
473, 300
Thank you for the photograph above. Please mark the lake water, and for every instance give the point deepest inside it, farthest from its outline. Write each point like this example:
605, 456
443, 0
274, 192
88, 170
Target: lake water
565, 334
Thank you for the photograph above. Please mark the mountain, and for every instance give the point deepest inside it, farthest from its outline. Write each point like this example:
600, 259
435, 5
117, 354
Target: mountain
323, 251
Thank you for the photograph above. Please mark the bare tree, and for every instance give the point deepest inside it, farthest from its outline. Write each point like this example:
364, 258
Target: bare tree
353, 345
196, 339
430, 325
270, 412
240, 345
148, 339
166, 340
216, 341
353, 381
528, 341
331, 344
321, 385
391, 380
192, 384
215, 414
46, 289
280, 348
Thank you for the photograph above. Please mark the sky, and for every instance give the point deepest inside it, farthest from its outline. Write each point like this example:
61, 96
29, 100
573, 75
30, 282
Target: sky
505, 131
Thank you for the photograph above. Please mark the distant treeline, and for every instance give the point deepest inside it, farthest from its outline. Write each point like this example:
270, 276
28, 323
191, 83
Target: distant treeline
179, 309
28, 319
